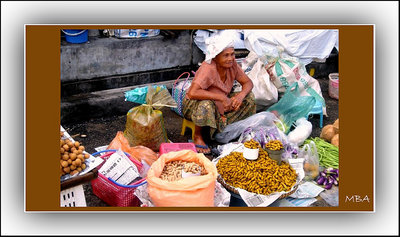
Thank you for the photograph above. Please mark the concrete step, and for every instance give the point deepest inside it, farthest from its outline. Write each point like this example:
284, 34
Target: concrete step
104, 103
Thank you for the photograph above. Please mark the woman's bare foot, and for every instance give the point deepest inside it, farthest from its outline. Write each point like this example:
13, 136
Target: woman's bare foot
201, 146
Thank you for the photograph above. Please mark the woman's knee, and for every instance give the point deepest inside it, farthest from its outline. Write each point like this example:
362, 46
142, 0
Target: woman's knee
250, 99
205, 107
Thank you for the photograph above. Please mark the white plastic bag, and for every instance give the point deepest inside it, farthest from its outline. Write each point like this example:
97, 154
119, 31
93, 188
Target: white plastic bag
248, 62
301, 132
264, 90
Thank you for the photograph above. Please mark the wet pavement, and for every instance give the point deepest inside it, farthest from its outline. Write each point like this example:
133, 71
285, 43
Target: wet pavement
100, 132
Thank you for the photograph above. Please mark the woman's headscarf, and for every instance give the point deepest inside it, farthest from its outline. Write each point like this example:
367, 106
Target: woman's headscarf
218, 43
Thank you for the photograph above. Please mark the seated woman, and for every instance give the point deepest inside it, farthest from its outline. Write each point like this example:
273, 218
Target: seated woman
210, 100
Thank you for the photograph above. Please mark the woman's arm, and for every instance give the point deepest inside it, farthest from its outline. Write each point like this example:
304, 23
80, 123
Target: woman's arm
247, 86
195, 92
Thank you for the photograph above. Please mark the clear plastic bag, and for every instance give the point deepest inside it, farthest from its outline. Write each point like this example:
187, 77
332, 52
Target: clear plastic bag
263, 134
145, 125
234, 130
311, 161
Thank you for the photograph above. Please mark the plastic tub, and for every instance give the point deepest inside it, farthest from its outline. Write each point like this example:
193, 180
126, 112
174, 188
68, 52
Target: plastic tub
334, 85
275, 155
76, 36
250, 154
168, 147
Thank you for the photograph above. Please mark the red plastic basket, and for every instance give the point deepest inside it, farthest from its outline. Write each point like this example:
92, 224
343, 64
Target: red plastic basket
113, 193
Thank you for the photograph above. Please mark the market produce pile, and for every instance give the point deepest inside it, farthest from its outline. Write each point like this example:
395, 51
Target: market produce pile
328, 153
274, 145
173, 170
328, 177
261, 176
330, 133
72, 158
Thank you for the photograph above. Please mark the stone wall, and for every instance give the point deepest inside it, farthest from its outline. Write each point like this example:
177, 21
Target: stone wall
109, 62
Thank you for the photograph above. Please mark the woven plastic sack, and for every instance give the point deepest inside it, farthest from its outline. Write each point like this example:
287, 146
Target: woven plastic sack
145, 123
179, 92
190, 191
139, 153
292, 106
288, 70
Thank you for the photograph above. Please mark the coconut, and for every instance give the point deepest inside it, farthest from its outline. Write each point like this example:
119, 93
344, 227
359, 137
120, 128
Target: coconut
336, 126
327, 133
335, 140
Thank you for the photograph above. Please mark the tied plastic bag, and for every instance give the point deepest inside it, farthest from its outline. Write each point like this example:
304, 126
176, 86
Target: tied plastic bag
264, 90
234, 130
190, 191
311, 161
290, 152
292, 106
138, 95
302, 131
263, 134
140, 153
145, 123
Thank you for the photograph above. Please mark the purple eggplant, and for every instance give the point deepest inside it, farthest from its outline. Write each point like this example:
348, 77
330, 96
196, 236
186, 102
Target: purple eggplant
321, 180
328, 186
323, 174
329, 170
330, 180
325, 181
335, 182
334, 176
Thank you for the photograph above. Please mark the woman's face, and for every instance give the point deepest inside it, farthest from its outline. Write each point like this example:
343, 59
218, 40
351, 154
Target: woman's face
226, 58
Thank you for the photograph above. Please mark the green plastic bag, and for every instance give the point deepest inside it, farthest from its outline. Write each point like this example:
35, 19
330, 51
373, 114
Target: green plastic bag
145, 123
291, 107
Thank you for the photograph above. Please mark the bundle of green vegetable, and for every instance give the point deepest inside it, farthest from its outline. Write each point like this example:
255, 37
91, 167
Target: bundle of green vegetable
328, 177
328, 153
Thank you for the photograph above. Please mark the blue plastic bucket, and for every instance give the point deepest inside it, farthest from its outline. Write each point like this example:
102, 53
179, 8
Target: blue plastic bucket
76, 36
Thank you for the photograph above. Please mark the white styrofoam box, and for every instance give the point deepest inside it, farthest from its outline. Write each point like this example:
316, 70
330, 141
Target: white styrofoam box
73, 197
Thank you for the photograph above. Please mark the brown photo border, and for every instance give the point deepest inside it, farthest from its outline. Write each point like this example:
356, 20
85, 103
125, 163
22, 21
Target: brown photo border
42, 114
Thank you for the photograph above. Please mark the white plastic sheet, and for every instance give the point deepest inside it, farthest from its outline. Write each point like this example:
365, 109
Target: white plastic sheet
201, 36
307, 45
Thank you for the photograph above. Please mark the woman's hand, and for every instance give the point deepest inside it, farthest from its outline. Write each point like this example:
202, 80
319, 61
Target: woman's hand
237, 101
227, 103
